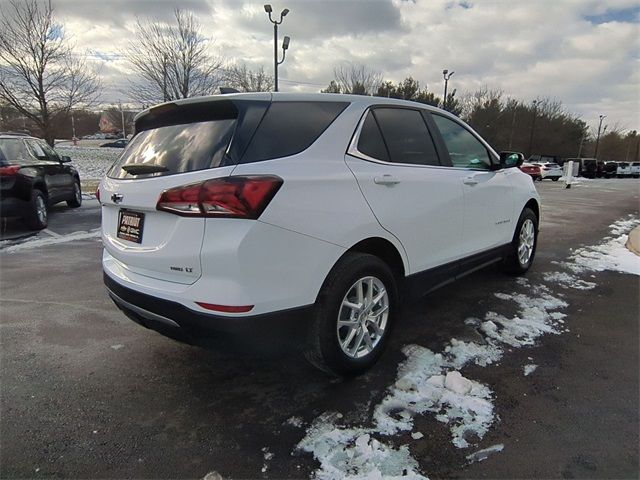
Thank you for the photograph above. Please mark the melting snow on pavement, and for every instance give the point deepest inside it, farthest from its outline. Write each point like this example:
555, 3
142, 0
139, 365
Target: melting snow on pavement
431, 383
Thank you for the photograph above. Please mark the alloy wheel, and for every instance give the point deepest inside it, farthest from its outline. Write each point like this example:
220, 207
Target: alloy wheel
526, 241
362, 318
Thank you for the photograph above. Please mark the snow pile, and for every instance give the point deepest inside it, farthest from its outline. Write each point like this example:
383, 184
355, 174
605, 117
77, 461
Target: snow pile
353, 453
529, 369
92, 163
610, 255
429, 382
268, 456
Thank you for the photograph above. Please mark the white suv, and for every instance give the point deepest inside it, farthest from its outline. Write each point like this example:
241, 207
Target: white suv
244, 211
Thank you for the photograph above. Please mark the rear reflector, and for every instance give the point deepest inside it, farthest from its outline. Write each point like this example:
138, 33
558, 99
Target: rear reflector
9, 170
226, 308
227, 197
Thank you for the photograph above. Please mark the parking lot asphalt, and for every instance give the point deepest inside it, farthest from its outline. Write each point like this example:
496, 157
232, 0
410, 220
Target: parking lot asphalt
86, 393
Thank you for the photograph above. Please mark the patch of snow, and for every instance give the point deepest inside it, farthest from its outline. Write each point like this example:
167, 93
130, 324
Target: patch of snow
43, 242
350, 453
483, 454
92, 163
213, 475
267, 458
464, 352
567, 280
294, 422
416, 435
529, 369
117, 347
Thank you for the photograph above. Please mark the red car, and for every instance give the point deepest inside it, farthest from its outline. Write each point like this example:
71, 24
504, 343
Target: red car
533, 170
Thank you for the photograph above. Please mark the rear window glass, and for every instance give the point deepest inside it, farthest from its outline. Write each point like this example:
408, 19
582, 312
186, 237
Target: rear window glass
178, 148
289, 128
13, 149
370, 142
406, 136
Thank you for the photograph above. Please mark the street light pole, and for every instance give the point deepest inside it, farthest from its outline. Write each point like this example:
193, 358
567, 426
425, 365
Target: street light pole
595, 154
533, 125
285, 43
447, 75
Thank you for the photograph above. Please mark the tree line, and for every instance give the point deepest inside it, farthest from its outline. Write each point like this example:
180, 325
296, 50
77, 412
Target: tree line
44, 84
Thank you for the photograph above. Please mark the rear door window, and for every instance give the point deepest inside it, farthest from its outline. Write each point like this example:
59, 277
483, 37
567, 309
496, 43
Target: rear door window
370, 142
406, 136
289, 128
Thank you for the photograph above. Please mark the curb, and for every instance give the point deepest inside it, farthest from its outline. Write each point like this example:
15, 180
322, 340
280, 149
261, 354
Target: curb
633, 242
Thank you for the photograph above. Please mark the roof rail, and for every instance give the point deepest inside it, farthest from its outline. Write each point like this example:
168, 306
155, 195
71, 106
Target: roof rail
17, 134
224, 90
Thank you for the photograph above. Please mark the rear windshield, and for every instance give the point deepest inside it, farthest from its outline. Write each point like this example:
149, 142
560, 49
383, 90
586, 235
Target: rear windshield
12, 150
178, 148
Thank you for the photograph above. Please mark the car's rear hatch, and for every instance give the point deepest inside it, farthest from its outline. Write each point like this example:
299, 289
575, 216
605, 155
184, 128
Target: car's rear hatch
176, 144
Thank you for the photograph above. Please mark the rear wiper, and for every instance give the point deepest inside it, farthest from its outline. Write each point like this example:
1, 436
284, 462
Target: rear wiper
142, 168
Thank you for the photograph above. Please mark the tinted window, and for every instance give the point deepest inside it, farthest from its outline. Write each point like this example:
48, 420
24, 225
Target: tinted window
179, 148
406, 136
370, 142
289, 128
49, 152
13, 149
36, 149
465, 150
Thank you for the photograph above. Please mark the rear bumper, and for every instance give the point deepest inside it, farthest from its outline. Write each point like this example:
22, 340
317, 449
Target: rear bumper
177, 321
13, 207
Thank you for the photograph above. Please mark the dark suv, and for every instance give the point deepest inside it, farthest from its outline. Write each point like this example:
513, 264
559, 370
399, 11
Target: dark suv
32, 178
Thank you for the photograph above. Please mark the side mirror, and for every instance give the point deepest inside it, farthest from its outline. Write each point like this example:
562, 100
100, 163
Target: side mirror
65, 159
511, 159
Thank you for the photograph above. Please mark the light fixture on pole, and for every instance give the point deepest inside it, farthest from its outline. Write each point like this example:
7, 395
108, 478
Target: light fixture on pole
447, 75
285, 43
595, 154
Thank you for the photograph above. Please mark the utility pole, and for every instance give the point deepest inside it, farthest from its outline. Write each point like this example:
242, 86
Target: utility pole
73, 129
447, 75
533, 126
584, 134
595, 154
513, 125
124, 130
285, 43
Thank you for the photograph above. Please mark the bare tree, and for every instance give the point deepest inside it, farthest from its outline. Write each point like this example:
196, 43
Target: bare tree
39, 74
242, 78
172, 61
355, 79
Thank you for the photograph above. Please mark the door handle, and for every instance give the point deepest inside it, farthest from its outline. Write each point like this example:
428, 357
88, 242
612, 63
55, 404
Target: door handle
386, 179
470, 180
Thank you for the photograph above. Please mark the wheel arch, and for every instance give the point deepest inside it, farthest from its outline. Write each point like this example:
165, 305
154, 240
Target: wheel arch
384, 250
534, 206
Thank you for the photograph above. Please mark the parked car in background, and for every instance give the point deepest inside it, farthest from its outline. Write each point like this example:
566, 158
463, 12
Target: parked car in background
533, 170
117, 144
623, 170
552, 171
589, 168
610, 169
32, 178
348, 201
635, 169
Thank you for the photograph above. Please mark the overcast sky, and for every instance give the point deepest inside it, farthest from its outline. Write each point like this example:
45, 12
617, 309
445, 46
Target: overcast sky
583, 52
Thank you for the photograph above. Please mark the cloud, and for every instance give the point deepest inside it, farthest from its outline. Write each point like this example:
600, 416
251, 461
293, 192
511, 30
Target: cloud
583, 52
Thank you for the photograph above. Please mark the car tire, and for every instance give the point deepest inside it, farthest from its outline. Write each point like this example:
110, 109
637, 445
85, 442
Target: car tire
354, 346
37, 218
76, 201
555, 179
522, 249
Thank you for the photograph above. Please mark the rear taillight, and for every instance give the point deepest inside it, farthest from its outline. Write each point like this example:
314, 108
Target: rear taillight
229, 197
98, 193
9, 170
